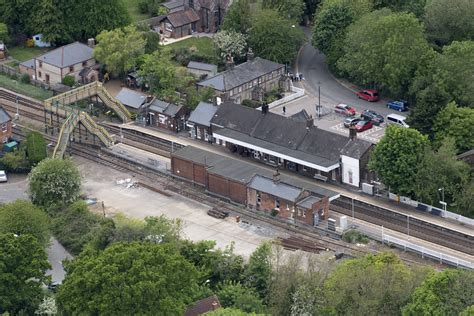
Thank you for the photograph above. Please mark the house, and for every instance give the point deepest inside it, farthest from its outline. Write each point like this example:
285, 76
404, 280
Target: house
467, 157
253, 186
180, 23
5, 126
290, 144
38, 41
201, 70
166, 115
74, 60
247, 81
199, 123
203, 306
134, 100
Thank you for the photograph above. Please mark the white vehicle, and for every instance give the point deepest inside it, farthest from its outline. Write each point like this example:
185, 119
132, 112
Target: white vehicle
3, 176
396, 119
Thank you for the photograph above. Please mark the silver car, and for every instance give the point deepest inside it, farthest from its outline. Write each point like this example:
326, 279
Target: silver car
3, 176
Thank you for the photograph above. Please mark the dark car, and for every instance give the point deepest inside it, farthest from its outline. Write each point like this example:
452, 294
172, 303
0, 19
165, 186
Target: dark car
373, 116
351, 121
363, 126
401, 105
345, 109
368, 95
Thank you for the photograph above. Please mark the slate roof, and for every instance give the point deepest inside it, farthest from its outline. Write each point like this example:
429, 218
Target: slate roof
4, 116
308, 201
30, 63
184, 17
154, 21
131, 98
202, 66
67, 55
241, 74
203, 114
203, 306
301, 116
170, 5
164, 107
285, 135
281, 190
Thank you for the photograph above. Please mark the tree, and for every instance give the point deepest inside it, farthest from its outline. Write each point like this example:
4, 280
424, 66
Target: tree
447, 23
414, 6
129, 278
230, 312
274, 37
465, 200
233, 294
230, 43
397, 156
22, 217
372, 285
16, 161
50, 22
290, 9
4, 33
23, 264
384, 48
238, 17
54, 182
160, 74
35, 147
443, 293
441, 169
258, 271
18, 15
120, 49
455, 122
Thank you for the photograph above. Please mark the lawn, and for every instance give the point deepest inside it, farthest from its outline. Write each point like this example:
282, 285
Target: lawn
132, 8
202, 46
22, 53
23, 88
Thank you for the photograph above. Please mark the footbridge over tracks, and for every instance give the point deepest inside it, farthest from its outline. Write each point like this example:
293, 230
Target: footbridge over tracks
75, 116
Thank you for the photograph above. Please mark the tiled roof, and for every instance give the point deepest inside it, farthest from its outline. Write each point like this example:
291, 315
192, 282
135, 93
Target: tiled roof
308, 202
180, 18
203, 306
202, 66
203, 113
131, 98
4, 116
278, 189
67, 55
164, 107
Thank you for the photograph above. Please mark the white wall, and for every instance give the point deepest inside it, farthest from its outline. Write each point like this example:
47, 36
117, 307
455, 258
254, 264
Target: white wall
350, 165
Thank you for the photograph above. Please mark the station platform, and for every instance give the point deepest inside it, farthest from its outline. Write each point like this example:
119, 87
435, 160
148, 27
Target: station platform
183, 139
140, 157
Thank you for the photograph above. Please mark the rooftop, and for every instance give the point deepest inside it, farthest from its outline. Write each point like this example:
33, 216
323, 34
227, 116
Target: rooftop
164, 107
4, 116
203, 306
278, 189
131, 98
67, 55
203, 114
184, 17
308, 202
202, 66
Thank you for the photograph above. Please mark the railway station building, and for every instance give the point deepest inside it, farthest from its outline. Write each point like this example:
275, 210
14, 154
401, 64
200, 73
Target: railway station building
5, 126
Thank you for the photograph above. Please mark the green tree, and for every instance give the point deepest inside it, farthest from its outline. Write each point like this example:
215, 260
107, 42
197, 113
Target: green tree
258, 271
18, 15
465, 200
54, 182
441, 169
447, 23
230, 312
23, 264
233, 294
159, 73
397, 156
230, 43
443, 293
120, 49
238, 17
35, 147
274, 37
22, 217
372, 285
127, 279
4, 33
51, 23
414, 6
384, 48
455, 122
290, 9
15, 161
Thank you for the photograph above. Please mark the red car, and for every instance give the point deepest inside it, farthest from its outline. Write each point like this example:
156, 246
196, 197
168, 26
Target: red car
345, 109
368, 95
363, 126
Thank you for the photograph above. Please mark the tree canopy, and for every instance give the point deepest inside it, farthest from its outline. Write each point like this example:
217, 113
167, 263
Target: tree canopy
23, 264
258, 271
290, 9
160, 74
397, 156
129, 278
35, 147
230, 43
238, 17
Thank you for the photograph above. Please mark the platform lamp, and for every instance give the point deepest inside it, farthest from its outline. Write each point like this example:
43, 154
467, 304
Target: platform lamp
442, 201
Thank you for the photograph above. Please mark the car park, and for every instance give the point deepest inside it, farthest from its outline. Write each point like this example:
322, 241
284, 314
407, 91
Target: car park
3, 176
373, 116
345, 109
398, 105
363, 126
368, 95
351, 121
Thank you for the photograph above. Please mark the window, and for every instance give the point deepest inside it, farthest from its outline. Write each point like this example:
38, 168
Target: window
198, 133
272, 159
305, 169
168, 27
304, 213
40, 63
350, 177
255, 82
4, 128
277, 204
206, 135
265, 157
231, 93
39, 74
71, 68
259, 198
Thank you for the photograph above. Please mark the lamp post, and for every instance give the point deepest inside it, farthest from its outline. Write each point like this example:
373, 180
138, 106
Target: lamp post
318, 107
442, 201
408, 226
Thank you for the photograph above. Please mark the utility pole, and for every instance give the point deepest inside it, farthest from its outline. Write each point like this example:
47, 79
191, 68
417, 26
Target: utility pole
318, 108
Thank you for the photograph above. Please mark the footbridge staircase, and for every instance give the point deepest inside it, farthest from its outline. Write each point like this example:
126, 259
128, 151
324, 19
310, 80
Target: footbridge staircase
75, 116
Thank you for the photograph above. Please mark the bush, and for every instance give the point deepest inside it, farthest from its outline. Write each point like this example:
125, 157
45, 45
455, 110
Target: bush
143, 6
274, 212
16, 161
354, 236
69, 81
25, 78
35, 147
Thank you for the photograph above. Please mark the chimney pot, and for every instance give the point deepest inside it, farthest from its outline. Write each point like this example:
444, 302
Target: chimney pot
91, 42
310, 122
352, 133
250, 55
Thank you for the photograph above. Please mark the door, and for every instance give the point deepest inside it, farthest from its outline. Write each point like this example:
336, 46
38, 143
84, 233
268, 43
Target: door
151, 119
47, 78
315, 219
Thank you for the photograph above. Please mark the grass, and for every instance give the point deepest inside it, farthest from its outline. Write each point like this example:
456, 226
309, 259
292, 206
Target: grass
23, 88
201, 46
22, 53
134, 12
13, 64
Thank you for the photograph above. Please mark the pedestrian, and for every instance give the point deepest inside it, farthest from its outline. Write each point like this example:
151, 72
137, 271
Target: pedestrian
301, 76
284, 110
297, 76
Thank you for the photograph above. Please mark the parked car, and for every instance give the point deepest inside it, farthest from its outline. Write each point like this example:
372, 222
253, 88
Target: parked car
351, 121
345, 109
363, 126
3, 176
368, 95
395, 119
373, 116
398, 105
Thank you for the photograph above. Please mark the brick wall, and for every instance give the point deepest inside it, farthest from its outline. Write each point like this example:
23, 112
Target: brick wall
5, 131
188, 170
233, 190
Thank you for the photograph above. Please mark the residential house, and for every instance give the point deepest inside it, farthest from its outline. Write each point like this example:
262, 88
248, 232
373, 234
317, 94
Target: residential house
467, 157
290, 144
180, 23
166, 115
199, 123
5, 126
74, 60
201, 70
247, 81
134, 100
203, 306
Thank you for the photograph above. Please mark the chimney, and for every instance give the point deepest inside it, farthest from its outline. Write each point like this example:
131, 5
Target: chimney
276, 177
91, 42
265, 108
309, 122
352, 133
250, 55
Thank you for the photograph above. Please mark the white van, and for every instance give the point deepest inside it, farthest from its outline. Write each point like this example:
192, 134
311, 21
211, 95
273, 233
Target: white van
396, 119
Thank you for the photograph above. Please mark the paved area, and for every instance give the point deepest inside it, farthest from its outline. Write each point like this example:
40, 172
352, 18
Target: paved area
56, 254
14, 189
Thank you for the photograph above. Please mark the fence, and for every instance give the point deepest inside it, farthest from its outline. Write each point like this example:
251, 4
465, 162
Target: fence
298, 93
11, 71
